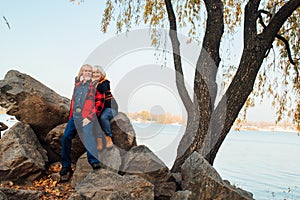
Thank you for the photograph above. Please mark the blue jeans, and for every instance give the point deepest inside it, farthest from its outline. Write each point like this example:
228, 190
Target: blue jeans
88, 141
106, 116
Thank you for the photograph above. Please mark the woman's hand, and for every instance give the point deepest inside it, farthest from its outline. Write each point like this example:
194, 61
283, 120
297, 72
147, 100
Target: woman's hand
85, 121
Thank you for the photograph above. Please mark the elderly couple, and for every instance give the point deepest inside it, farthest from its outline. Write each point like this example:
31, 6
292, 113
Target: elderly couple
92, 102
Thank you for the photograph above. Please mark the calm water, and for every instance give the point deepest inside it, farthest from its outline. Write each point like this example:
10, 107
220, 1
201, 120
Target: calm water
264, 163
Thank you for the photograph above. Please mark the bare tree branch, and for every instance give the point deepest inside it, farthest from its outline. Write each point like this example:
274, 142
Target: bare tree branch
214, 17
250, 29
209, 58
278, 20
287, 46
285, 41
177, 59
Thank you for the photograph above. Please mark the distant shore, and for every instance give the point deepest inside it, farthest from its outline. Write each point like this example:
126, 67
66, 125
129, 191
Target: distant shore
266, 126
248, 125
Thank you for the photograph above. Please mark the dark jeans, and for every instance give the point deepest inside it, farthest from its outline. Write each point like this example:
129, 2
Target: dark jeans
88, 140
106, 116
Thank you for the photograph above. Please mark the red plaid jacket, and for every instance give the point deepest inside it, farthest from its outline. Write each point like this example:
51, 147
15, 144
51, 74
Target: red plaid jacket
93, 105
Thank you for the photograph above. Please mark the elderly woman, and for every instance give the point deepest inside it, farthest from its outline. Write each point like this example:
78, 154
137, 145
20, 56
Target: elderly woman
110, 108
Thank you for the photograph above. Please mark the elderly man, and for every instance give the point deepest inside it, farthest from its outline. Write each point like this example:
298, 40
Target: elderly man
82, 116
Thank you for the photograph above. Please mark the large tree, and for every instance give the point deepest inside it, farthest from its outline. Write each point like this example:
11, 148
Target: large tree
267, 25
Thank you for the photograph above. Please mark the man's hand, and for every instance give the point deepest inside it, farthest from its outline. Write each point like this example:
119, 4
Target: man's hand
85, 121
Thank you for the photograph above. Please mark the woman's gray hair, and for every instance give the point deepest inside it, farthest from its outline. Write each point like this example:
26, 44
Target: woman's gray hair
98, 67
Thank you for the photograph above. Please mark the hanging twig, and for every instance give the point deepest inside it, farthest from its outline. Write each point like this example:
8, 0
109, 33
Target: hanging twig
285, 41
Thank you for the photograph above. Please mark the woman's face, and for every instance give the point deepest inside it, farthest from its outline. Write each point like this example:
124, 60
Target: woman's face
96, 74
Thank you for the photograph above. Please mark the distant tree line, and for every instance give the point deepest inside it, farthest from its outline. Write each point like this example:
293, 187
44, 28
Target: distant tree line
165, 118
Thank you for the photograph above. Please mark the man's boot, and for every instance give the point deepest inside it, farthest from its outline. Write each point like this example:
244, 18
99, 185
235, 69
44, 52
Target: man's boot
65, 174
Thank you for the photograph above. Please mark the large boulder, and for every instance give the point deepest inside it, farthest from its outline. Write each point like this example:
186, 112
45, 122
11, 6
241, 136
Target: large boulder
32, 102
53, 139
110, 159
81, 171
22, 156
104, 184
123, 132
203, 182
141, 161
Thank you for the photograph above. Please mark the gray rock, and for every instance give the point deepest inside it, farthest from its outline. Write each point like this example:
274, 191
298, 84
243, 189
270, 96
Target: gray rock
204, 182
140, 160
35, 104
53, 140
104, 184
123, 132
195, 166
32, 102
22, 156
17, 194
82, 169
110, 159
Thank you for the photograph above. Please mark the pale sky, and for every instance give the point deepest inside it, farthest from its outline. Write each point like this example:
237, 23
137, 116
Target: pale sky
50, 40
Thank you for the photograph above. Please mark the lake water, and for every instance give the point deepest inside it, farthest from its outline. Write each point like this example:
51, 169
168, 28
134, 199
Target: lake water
264, 163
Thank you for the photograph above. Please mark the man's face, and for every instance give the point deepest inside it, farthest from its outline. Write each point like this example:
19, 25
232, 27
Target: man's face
87, 73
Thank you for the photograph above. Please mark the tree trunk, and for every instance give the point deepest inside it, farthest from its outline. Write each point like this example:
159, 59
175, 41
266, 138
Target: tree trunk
205, 87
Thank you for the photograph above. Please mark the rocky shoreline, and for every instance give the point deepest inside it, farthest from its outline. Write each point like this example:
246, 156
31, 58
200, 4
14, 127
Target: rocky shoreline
131, 171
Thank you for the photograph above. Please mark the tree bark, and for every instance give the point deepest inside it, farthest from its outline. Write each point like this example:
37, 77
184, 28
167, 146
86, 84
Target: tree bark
205, 87
187, 102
